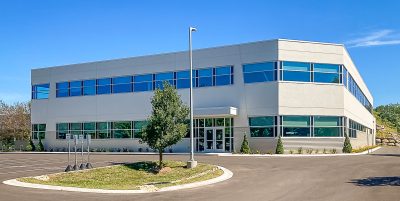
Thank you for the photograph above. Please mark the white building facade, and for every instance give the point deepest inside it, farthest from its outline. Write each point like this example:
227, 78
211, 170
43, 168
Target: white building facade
309, 93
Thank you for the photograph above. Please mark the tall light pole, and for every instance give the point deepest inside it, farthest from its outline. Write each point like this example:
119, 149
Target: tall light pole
191, 163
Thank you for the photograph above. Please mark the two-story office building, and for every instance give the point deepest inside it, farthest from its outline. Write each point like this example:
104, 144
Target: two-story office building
309, 93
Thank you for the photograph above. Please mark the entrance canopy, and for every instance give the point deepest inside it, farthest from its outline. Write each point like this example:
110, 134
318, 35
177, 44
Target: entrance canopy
215, 112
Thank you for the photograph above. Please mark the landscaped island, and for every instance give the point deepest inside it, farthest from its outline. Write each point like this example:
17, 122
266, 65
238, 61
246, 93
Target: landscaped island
135, 176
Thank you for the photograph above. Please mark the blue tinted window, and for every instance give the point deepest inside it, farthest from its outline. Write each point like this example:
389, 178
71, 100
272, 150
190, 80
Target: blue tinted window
223, 70
75, 84
122, 88
328, 68
89, 91
223, 80
205, 72
104, 81
259, 72
326, 77
122, 80
205, 81
40, 91
75, 91
296, 66
267, 66
344, 76
89, 83
62, 85
104, 89
183, 74
296, 76
143, 78
265, 76
143, 86
164, 76
62, 93
160, 84
182, 83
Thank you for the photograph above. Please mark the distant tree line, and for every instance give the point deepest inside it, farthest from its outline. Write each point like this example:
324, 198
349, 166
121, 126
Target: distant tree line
390, 114
15, 121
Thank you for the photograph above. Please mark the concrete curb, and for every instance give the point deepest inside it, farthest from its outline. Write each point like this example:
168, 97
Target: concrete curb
299, 155
113, 153
227, 175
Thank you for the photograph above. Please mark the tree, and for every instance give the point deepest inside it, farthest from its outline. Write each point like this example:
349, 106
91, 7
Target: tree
347, 145
279, 146
245, 148
167, 124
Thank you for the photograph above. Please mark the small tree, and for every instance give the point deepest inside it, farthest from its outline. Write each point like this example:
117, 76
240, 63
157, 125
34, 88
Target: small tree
245, 148
33, 147
347, 145
279, 146
167, 123
40, 145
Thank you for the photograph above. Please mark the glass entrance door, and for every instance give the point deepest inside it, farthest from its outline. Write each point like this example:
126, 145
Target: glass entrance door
214, 140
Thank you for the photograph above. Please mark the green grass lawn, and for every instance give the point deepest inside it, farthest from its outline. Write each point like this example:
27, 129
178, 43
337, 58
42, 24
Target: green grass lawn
130, 176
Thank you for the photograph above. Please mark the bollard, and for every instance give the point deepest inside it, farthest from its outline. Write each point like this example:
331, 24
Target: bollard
69, 168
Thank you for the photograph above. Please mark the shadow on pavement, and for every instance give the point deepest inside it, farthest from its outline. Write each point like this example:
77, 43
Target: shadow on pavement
398, 155
377, 181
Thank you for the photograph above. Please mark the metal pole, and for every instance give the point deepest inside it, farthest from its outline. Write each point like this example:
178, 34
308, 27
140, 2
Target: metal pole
82, 166
68, 137
191, 163
76, 160
88, 140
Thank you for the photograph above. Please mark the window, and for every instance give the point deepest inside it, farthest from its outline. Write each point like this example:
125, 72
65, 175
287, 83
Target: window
262, 126
62, 89
183, 79
89, 128
326, 126
121, 129
122, 84
345, 77
259, 72
38, 131
40, 91
295, 126
75, 88
204, 77
143, 83
326, 73
103, 86
358, 94
103, 130
296, 71
223, 76
137, 128
75, 128
356, 128
89, 87
160, 78
61, 130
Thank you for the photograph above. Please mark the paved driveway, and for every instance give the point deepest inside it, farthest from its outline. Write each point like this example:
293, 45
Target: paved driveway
374, 177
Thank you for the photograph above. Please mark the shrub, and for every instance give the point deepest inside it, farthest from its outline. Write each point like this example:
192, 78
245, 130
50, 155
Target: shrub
316, 151
325, 151
279, 146
40, 146
333, 151
291, 151
33, 147
347, 145
245, 148
309, 151
300, 150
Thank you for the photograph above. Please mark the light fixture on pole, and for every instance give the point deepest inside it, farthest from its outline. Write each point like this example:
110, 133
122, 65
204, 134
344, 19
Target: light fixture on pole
191, 163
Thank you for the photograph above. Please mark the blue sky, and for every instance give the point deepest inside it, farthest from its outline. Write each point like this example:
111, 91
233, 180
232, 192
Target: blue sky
44, 33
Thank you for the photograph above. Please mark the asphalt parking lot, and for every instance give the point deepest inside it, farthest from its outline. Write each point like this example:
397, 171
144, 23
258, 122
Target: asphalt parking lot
368, 177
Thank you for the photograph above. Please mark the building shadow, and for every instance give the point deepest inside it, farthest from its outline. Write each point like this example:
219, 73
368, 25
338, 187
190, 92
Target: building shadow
395, 155
377, 181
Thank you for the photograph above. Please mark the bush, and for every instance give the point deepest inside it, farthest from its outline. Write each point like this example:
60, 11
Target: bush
28, 147
333, 151
245, 148
300, 150
347, 145
40, 146
33, 147
279, 146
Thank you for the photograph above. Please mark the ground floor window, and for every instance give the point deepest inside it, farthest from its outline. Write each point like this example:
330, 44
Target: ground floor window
327, 126
262, 126
296, 126
38, 131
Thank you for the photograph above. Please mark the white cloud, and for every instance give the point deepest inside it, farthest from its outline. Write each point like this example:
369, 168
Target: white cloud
376, 38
